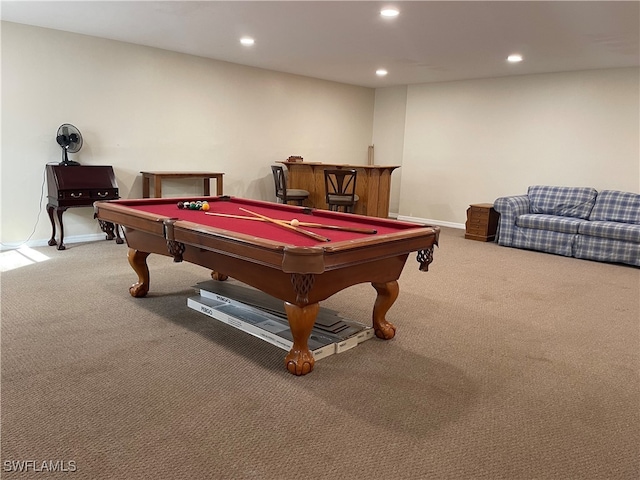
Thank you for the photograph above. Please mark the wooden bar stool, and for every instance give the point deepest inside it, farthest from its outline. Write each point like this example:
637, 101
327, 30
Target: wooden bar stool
283, 193
340, 189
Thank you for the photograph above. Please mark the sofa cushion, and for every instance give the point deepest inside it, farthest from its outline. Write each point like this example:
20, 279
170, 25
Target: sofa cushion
626, 232
615, 206
574, 202
554, 223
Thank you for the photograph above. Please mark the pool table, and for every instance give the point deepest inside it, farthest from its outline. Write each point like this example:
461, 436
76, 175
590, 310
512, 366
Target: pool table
250, 241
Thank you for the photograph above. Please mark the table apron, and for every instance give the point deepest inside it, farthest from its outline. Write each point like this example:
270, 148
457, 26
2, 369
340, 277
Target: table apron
269, 278
138, 224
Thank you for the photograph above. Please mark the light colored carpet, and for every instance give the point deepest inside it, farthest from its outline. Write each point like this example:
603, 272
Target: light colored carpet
507, 364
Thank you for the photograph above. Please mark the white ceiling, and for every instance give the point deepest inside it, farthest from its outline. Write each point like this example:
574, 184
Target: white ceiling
347, 41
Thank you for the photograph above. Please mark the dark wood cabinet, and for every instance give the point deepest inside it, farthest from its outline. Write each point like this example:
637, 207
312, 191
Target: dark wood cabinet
482, 222
79, 186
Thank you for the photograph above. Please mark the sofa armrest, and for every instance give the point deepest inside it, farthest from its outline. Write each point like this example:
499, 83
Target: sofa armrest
509, 208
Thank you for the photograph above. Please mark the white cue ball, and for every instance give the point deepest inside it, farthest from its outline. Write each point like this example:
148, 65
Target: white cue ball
294, 222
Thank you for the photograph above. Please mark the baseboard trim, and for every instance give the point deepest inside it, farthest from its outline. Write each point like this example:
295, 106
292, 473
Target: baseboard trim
430, 221
93, 237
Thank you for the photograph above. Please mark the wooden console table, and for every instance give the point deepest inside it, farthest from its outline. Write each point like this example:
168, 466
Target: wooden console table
373, 185
158, 176
79, 186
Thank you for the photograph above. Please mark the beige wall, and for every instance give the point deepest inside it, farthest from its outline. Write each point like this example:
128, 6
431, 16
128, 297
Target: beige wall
388, 135
473, 141
140, 108
147, 109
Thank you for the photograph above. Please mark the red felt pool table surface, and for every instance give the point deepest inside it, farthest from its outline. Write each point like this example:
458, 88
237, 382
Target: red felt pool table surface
270, 231
288, 265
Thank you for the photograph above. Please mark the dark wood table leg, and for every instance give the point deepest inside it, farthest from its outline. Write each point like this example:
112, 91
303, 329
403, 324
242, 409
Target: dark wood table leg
119, 239
107, 228
157, 186
112, 230
207, 187
52, 240
387, 295
138, 261
145, 185
299, 360
219, 185
59, 212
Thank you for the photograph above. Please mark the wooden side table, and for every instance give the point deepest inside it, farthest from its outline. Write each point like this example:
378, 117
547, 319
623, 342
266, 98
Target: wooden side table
482, 222
158, 176
79, 186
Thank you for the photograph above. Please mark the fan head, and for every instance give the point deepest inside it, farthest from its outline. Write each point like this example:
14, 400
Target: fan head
70, 140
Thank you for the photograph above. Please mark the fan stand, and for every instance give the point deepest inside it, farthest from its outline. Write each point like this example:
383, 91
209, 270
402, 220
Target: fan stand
65, 159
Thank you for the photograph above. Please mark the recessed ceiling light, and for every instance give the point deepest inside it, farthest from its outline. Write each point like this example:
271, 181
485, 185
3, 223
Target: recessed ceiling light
381, 72
515, 58
247, 41
389, 12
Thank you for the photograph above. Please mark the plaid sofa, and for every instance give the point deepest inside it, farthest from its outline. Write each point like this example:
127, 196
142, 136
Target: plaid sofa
573, 221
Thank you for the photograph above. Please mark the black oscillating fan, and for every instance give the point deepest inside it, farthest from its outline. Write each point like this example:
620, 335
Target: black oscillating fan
70, 140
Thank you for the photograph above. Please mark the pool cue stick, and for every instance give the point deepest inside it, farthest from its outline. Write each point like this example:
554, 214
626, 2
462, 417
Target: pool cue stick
338, 227
301, 224
241, 217
284, 224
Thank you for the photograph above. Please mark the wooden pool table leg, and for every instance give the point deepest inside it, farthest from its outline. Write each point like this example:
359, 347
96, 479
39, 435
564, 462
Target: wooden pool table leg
387, 294
221, 277
299, 360
138, 261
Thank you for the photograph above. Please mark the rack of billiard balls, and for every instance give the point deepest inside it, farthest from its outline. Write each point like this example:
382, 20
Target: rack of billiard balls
195, 205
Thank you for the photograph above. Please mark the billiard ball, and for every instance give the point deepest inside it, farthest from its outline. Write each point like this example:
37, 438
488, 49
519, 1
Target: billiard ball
295, 222
205, 206
180, 205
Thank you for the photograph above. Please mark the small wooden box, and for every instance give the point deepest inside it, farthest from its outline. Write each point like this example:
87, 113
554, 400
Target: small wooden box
482, 222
